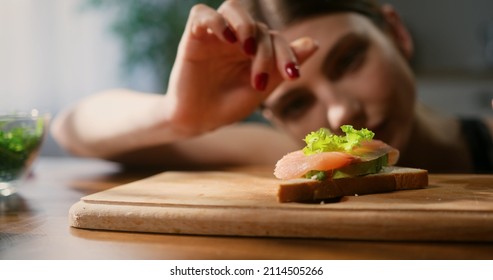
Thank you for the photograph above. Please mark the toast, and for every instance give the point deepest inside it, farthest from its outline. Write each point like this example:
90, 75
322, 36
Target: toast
390, 178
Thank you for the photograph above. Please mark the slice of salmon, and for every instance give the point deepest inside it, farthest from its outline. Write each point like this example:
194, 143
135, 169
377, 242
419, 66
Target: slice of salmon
370, 150
296, 164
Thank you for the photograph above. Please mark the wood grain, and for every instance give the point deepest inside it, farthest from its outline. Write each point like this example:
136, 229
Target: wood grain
451, 208
34, 225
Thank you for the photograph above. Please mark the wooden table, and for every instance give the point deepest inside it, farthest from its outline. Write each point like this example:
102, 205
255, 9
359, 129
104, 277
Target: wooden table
34, 225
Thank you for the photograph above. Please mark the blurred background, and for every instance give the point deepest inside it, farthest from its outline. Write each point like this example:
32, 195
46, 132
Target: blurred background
54, 52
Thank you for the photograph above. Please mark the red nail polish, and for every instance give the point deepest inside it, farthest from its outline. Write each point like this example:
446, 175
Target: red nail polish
261, 81
250, 46
229, 35
292, 70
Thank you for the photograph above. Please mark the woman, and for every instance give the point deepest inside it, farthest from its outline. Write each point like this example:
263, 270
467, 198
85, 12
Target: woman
305, 64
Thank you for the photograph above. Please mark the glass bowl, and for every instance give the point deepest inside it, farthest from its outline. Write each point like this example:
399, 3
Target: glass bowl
21, 136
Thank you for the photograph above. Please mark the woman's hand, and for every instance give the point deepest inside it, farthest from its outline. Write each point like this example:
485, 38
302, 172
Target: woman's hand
226, 66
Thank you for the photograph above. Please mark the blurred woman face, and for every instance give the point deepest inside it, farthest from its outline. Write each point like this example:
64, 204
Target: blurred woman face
357, 76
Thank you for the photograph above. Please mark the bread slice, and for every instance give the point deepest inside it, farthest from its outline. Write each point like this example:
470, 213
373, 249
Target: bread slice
391, 178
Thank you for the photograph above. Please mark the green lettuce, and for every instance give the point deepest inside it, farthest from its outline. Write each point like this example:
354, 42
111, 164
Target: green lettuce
323, 140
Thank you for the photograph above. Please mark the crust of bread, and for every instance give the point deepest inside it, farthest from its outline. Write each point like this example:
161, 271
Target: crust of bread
390, 179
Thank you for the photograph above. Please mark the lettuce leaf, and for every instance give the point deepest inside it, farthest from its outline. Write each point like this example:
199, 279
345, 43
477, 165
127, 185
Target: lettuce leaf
323, 140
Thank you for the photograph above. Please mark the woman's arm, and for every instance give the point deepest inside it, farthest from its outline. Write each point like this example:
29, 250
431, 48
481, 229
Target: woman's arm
225, 67
125, 126
112, 122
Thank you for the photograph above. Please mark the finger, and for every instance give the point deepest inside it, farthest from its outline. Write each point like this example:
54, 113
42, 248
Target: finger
287, 62
205, 21
242, 24
303, 48
264, 60
289, 56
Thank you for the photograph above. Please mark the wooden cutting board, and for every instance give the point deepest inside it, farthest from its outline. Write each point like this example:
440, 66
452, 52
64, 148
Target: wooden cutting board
451, 208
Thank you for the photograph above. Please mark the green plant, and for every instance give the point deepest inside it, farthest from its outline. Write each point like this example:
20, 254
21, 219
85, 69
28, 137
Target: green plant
150, 30
19, 141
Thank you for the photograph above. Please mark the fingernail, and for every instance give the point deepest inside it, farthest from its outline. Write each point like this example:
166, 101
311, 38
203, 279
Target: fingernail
292, 70
250, 46
229, 35
261, 81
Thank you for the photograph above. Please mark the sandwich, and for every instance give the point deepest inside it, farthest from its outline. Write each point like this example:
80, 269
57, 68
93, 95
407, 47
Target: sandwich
332, 166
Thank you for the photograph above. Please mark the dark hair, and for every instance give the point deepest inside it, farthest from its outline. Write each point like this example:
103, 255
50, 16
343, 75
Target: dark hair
279, 14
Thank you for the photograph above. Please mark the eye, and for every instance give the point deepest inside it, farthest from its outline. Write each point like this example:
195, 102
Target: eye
293, 106
348, 59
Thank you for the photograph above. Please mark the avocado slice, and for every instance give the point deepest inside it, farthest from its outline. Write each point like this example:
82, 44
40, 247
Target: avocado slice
353, 170
361, 168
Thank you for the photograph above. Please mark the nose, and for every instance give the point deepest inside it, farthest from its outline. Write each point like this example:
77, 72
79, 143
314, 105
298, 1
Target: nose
344, 112
341, 107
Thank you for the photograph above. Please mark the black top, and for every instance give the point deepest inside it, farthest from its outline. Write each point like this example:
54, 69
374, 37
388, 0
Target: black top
480, 144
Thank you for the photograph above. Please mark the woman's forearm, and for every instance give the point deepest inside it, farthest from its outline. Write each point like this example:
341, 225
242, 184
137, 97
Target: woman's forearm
113, 122
133, 128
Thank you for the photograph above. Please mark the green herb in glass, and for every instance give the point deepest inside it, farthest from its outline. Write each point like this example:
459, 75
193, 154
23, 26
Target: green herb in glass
18, 145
